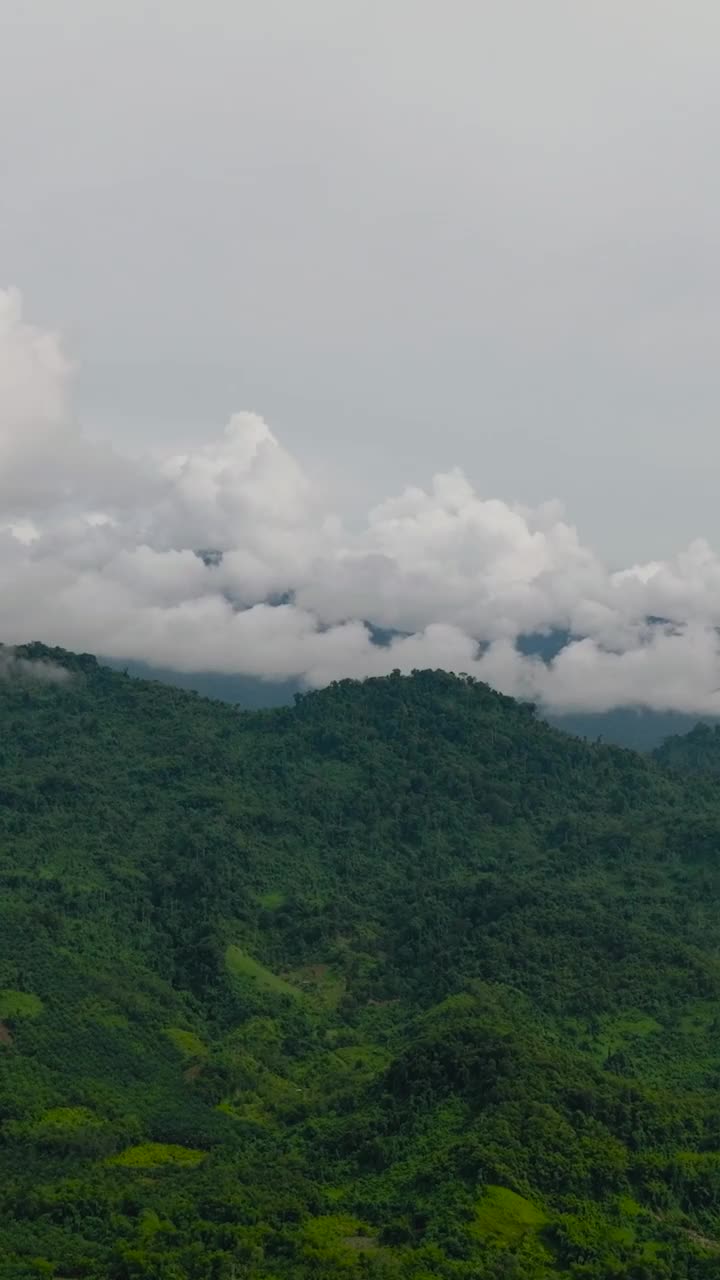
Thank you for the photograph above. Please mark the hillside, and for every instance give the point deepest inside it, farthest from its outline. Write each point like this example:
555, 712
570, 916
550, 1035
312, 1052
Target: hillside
640, 728
397, 982
696, 752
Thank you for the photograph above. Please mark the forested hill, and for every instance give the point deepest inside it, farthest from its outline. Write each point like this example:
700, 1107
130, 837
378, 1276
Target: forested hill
640, 728
395, 983
698, 751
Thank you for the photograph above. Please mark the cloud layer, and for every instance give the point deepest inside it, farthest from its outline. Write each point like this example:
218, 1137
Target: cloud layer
99, 551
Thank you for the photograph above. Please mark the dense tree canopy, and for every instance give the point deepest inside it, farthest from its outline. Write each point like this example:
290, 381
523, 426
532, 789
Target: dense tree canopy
395, 983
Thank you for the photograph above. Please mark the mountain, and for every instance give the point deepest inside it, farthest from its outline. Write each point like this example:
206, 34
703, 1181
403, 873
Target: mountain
639, 728
636, 727
249, 692
397, 982
697, 751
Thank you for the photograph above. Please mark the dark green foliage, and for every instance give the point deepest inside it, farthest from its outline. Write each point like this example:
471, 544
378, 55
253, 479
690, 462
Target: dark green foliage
638, 727
394, 983
698, 750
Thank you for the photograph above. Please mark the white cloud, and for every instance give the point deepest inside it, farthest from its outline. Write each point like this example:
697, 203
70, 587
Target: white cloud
47, 465
98, 551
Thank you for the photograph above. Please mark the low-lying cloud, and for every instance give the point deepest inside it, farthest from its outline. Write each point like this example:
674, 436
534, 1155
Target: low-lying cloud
15, 667
104, 552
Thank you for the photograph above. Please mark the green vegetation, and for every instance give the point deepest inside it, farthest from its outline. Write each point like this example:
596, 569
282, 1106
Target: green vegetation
698, 750
397, 983
19, 1004
186, 1042
272, 900
333, 1243
503, 1214
154, 1155
241, 965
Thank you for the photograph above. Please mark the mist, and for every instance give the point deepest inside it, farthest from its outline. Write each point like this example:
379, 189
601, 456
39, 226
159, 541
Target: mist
16, 667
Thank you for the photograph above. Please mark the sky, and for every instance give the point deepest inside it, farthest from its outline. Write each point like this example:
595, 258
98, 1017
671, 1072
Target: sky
450, 273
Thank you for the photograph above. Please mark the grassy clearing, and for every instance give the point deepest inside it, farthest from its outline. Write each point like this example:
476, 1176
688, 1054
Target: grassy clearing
335, 1240
503, 1215
155, 1155
186, 1042
241, 965
622, 1235
273, 900
19, 1004
69, 1128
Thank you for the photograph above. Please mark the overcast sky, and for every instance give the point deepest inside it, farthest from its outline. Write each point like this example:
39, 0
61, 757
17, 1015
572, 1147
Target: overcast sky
409, 234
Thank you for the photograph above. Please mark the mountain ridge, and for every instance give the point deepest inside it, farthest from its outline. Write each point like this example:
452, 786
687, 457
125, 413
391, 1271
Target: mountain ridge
642, 729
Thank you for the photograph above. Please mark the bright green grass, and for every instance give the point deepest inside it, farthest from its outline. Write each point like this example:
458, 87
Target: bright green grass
652, 1250
273, 900
621, 1235
19, 1004
186, 1042
708, 1160
154, 1155
335, 1240
504, 1215
241, 965
67, 1125
68, 1118
250, 1112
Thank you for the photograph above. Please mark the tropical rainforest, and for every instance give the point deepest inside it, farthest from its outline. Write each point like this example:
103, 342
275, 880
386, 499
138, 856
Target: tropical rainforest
394, 983
642, 728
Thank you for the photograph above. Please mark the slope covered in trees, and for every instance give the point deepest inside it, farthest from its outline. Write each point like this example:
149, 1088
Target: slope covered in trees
697, 751
640, 728
397, 982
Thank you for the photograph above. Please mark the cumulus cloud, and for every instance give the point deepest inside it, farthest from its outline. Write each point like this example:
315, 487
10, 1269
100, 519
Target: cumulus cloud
225, 559
47, 465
